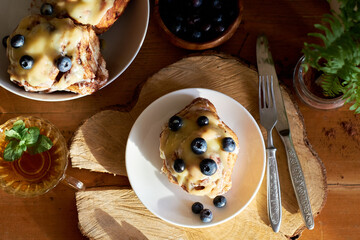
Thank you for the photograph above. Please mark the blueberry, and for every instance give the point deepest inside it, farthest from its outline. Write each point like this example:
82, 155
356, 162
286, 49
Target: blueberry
206, 27
228, 144
46, 9
218, 18
202, 121
192, 20
208, 167
4, 41
196, 3
219, 28
206, 215
17, 41
179, 165
219, 201
184, 30
197, 207
26, 62
179, 18
196, 35
175, 123
198, 146
217, 4
176, 27
63, 64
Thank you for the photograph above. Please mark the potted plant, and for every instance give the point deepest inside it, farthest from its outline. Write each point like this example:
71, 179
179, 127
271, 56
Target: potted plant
329, 75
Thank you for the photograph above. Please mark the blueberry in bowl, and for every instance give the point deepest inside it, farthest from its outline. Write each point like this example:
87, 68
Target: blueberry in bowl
198, 24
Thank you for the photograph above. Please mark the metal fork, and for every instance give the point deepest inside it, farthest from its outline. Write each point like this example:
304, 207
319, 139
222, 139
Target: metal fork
268, 119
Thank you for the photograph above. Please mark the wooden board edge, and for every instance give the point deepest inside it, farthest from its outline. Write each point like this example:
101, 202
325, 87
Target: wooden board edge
97, 167
224, 56
127, 107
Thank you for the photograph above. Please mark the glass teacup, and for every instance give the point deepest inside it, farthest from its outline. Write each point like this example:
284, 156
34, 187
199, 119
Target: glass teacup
33, 175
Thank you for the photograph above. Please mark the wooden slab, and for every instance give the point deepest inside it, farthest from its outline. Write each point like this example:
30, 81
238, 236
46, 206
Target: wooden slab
93, 150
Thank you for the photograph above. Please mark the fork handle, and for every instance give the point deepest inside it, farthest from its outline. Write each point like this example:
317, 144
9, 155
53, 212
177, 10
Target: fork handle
273, 190
298, 182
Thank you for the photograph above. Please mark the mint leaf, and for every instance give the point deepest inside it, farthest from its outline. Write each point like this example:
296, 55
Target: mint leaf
31, 136
16, 131
22, 142
43, 144
23, 132
12, 134
23, 139
18, 126
13, 150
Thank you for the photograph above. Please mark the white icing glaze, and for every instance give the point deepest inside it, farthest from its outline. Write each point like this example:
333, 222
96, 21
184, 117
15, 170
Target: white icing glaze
86, 11
45, 41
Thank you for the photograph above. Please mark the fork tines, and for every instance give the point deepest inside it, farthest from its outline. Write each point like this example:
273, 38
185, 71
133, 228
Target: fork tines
266, 92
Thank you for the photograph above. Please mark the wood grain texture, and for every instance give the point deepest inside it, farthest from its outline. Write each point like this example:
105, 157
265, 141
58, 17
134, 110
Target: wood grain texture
118, 214
99, 144
286, 23
337, 219
227, 75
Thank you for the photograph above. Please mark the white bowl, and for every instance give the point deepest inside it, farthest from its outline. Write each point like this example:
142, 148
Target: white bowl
169, 201
123, 42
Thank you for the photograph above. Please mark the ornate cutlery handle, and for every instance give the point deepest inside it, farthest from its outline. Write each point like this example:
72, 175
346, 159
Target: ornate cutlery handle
298, 182
273, 190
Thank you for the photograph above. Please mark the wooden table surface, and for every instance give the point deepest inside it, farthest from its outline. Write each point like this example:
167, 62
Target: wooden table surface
334, 134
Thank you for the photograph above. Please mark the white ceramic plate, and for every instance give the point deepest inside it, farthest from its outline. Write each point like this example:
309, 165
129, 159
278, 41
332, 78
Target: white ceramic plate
167, 200
122, 42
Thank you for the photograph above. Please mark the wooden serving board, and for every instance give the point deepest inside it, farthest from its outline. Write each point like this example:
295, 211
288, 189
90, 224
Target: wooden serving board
115, 213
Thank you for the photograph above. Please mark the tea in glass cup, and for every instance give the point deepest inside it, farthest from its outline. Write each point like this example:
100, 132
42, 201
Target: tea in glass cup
35, 174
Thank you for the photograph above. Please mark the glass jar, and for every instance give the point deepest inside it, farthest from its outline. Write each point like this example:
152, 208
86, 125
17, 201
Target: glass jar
307, 96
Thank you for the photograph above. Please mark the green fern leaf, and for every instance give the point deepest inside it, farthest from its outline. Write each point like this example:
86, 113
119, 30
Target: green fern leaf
339, 55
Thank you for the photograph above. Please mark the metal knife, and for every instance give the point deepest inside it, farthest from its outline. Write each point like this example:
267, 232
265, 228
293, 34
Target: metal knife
266, 67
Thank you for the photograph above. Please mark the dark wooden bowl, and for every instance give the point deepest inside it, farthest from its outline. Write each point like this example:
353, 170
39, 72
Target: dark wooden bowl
227, 34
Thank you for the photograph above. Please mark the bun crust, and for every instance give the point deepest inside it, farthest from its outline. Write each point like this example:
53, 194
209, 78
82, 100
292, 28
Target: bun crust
111, 16
99, 14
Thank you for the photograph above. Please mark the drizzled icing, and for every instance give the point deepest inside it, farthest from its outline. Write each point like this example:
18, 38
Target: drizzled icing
86, 11
45, 41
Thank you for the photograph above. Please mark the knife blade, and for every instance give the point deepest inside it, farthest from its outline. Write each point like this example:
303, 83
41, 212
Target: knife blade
266, 67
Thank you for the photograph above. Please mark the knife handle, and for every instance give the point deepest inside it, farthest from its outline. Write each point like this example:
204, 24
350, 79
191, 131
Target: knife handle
298, 182
273, 190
